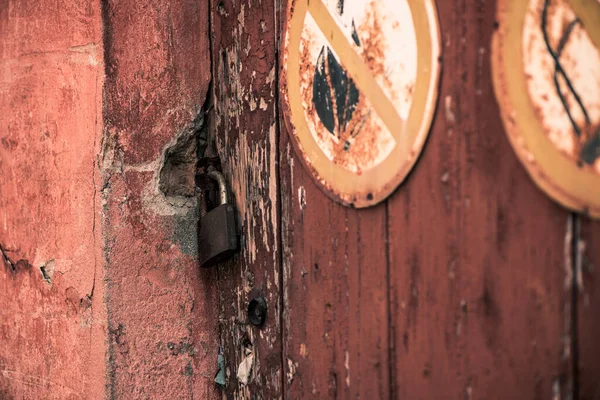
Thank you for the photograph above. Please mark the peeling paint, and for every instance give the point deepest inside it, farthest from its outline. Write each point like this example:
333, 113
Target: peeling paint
246, 139
450, 116
303, 350
291, 370
347, 366
581, 245
244, 370
302, 197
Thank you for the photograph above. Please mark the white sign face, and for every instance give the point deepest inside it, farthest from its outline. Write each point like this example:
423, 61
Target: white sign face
359, 88
345, 123
546, 64
580, 60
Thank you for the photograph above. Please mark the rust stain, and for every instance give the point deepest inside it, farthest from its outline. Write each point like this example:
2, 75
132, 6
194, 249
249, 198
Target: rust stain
246, 139
363, 141
374, 43
579, 58
524, 53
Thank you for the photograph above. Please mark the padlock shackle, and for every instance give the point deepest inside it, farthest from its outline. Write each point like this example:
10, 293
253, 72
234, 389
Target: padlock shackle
217, 176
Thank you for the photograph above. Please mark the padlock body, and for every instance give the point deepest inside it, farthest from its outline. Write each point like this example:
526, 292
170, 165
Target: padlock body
217, 237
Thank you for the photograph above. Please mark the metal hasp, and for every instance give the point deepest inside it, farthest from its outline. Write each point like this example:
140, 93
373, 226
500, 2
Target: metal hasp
217, 236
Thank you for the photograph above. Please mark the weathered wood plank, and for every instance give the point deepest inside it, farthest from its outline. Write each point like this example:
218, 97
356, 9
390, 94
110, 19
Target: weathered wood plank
335, 293
477, 273
477, 296
588, 323
334, 272
335, 309
245, 129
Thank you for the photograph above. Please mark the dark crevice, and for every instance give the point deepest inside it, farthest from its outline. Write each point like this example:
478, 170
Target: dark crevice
6, 259
47, 271
390, 330
106, 37
177, 175
279, 213
45, 275
109, 78
211, 99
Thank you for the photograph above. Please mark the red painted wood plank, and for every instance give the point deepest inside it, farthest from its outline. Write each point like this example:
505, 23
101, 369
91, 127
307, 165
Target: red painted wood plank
335, 308
335, 317
477, 295
476, 250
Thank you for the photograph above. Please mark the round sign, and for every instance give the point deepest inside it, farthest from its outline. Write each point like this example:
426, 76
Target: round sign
359, 85
546, 67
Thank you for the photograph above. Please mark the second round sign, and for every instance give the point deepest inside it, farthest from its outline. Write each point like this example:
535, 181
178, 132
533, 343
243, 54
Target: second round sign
359, 86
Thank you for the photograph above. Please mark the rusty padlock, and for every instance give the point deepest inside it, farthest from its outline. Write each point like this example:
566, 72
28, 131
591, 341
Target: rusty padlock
217, 236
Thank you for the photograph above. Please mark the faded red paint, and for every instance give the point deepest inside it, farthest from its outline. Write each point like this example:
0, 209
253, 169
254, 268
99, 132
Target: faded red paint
52, 336
90, 99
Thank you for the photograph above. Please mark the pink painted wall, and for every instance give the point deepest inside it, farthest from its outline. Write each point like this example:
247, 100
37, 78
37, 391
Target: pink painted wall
52, 334
92, 94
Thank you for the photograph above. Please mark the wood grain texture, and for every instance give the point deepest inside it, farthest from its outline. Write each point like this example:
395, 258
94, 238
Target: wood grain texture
453, 289
335, 310
335, 307
244, 126
588, 323
477, 251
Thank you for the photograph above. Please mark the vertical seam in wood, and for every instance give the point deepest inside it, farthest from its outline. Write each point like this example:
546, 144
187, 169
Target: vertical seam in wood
458, 22
574, 343
278, 212
210, 115
390, 330
358, 325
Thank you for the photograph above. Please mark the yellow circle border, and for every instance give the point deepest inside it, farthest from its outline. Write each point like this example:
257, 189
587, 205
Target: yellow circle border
573, 187
376, 184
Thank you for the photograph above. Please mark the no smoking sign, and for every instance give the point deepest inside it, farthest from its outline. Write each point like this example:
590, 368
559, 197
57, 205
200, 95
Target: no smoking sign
359, 84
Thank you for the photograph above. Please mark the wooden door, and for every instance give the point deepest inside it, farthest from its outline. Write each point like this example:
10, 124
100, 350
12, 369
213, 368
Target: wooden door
467, 282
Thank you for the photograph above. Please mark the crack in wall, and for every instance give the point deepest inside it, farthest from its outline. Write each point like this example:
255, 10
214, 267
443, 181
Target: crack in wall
13, 266
47, 270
